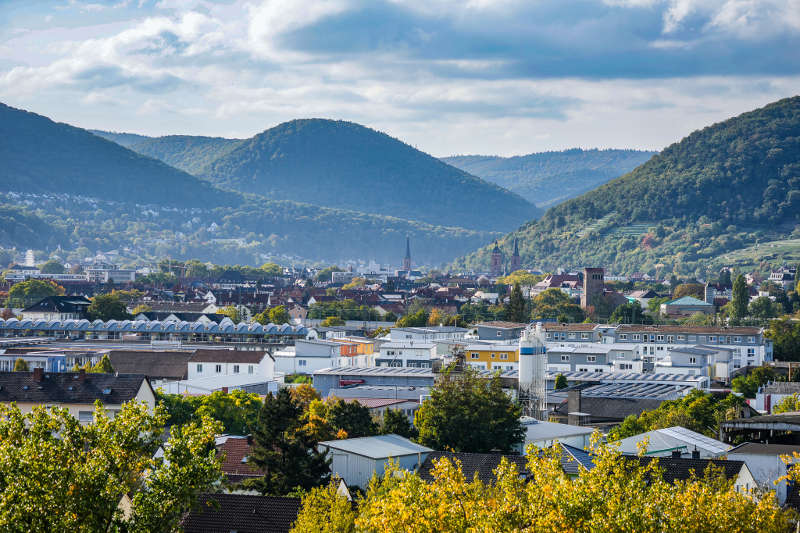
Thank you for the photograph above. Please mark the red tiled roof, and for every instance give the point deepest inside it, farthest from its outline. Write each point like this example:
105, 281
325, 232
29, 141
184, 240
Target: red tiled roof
234, 466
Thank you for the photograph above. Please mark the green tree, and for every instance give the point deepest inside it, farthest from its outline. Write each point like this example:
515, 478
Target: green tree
630, 313
785, 335
272, 269
52, 267
555, 304
332, 321
284, 450
324, 510
654, 304
763, 307
325, 273
694, 290
279, 315
107, 307
748, 385
741, 298
20, 365
416, 319
26, 293
515, 311
396, 422
103, 366
71, 476
521, 277
467, 413
237, 410
334, 418
141, 308
699, 411
231, 312
561, 382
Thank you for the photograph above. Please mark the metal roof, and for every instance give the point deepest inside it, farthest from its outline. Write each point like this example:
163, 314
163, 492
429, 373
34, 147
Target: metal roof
378, 447
376, 371
673, 437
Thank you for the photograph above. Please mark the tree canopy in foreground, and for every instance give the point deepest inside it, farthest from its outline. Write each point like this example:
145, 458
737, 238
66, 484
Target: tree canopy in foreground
59, 475
618, 494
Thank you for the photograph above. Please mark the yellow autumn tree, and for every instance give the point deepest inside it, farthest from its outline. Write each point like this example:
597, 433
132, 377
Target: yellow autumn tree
618, 494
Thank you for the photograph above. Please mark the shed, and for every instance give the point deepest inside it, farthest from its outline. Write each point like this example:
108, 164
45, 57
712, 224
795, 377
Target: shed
357, 460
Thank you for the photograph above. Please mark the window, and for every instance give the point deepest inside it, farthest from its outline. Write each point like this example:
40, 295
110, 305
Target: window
493, 355
670, 338
235, 369
218, 369
625, 366
712, 338
584, 335
652, 338
737, 339
549, 336
249, 369
659, 338
200, 368
499, 333
727, 339
85, 417
623, 336
503, 356
591, 358
692, 360
751, 339
620, 355
583, 370
474, 356
301, 362
681, 337
571, 335
565, 358
637, 337
751, 352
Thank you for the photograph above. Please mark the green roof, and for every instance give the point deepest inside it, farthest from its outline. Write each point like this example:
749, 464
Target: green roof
687, 300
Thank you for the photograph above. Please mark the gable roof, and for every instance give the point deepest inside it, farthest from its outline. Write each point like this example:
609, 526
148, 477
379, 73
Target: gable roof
68, 387
573, 461
234, 465
682, 468
223, 513
228, 356
377, 447
60, 304
675, 437
688, 300
611, 408
153, 364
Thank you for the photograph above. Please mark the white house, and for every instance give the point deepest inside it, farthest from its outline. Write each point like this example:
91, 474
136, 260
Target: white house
428, 334
212, 370
766, 465
307, 356
406, 354
357, 460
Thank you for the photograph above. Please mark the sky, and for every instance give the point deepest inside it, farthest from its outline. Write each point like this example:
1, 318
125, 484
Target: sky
449, 77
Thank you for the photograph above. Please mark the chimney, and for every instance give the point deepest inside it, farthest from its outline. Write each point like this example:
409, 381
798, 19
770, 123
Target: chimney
574, 401
38, 373
81, 375
695, 454
676, 454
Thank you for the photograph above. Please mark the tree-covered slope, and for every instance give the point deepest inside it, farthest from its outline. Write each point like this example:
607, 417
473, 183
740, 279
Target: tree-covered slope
123, 139
547, 178
345, 165
720, 189
185, 152
39, 155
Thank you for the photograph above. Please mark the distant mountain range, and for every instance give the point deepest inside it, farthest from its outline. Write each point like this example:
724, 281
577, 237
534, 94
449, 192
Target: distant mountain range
343, 165
547, 178
721, 189
64, 186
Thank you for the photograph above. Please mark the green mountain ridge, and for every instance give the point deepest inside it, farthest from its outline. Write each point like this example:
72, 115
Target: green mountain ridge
720, 189
547, 178
65, 186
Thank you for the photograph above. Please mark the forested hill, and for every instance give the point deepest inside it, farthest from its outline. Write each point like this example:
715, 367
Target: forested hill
720, 189
39, 155
345, 165
547, 178
186, 152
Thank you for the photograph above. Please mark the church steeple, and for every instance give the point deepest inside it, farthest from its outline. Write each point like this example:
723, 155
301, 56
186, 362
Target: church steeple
516, 261
407, 258
497, 260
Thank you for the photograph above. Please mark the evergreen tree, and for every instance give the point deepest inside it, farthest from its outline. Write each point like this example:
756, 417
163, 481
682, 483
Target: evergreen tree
741, 298
103, 366
352, 417
20, 365
561, 382
725, 277
396, 422
516, 305
283, 450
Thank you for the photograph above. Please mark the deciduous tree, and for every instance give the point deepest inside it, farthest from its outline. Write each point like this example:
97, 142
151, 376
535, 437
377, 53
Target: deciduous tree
107, 307
741, 298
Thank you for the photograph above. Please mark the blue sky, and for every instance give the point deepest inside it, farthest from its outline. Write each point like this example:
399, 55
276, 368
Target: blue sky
447, 76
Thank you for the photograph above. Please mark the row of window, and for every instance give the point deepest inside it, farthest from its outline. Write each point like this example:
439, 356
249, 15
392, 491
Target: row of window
218, 368
691, 338
475, 355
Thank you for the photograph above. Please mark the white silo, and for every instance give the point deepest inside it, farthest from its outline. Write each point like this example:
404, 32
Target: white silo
532, 372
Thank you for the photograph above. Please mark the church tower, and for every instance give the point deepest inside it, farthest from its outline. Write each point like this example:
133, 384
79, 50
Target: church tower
516, 262
497, 261
407, 258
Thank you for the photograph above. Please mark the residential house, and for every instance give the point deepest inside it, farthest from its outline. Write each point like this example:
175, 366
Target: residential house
428, 334
686, 306
236, 450
679, 440
766, 464
410, 354
492, 356
75, 391
357, 460
224, 370
58, 308
307, 356
676, 468
499, 330
158, 365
